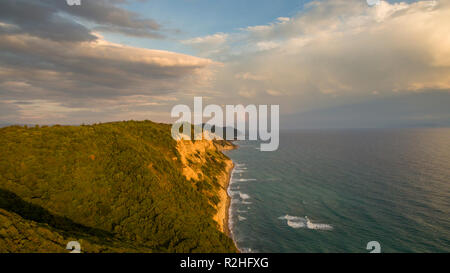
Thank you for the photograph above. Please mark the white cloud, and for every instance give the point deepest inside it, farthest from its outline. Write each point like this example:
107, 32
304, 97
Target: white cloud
249, 76
208, 45
338, 50
274, 93
215, 39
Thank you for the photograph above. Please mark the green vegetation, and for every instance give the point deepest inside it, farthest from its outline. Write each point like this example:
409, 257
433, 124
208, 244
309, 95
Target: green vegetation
114, 187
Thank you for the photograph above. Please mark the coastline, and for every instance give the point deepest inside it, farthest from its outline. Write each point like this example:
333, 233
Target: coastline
187, 150
223, 209
226, 227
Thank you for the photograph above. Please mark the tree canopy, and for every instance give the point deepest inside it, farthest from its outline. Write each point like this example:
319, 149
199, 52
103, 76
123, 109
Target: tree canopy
117, 186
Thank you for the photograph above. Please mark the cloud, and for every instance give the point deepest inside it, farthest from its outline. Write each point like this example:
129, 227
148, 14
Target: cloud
274, 93
55, 67
53, 19
208, 45
211, 40
249, 76
40, 19
246, 93
97, 68
339, 51
67, 73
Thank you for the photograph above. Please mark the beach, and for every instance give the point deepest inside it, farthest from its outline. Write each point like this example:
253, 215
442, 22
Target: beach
222, 215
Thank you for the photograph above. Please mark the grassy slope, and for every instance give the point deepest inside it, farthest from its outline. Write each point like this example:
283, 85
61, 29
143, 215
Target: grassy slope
114, 186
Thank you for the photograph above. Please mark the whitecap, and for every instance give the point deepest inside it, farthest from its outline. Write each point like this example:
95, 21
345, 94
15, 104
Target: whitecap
304, 222
244, 196
234, 201
244, 180
294, 224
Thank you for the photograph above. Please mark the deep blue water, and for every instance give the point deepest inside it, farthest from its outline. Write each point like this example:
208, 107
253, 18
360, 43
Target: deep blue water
385, 185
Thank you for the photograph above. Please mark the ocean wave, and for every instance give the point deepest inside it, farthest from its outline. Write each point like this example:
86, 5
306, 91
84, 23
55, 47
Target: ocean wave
304, 222
246, 250
244, 179
244, 196
241, 218
234, 201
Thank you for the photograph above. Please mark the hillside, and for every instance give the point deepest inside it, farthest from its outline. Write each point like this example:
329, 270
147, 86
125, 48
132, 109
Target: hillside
115, 187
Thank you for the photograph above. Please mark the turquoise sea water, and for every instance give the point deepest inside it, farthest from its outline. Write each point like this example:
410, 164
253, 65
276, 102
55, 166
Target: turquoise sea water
355, 186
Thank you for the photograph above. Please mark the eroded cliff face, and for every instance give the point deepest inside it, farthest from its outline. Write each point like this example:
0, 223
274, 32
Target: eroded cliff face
203, 160
193, 156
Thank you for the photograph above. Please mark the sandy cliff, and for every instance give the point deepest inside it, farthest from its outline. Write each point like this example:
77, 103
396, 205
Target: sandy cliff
194, 155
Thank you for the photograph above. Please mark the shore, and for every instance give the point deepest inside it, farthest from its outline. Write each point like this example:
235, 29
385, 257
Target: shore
223, 208
189, 152
227, 230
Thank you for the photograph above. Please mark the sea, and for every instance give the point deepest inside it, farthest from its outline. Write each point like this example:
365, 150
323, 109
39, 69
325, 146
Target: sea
334, 191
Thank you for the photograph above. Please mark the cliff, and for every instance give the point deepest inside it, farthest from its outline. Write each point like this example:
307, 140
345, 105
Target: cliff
197, 156
115, 187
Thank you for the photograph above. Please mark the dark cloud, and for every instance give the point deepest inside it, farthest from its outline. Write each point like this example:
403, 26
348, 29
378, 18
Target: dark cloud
111, 17
53, 19
41, 19
96, 69
54, 69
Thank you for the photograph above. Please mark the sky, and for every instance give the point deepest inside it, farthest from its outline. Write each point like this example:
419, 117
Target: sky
328, 63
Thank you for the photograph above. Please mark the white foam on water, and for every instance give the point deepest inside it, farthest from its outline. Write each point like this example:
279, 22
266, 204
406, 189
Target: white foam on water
237, 199
244, 196
234, 201
293, 224
244, 180
319, 226
246, 250
304, 222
